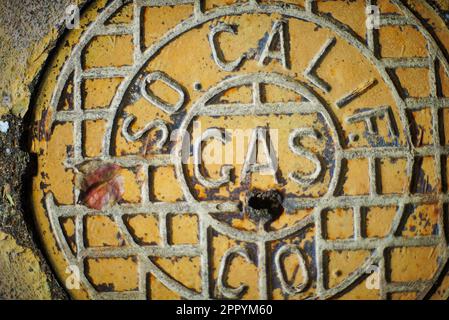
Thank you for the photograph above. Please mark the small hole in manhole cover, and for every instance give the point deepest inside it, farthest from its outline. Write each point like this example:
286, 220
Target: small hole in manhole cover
264, 206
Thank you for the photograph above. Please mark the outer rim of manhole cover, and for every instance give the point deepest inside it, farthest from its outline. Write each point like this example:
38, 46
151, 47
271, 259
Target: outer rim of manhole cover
71, 183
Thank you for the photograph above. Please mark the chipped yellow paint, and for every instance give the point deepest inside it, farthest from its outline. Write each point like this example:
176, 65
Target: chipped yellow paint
102, 232
343, 65
403, 295
361, 292
185, 270
402, 42
178, 224
124, 15
339, 224
414, 263
385, 6
357, 179
411, 81
113, 274
99, 92
422, 221
379, 221
393, 175
290, 219
343, 263
109, 51
338, 9
145, 228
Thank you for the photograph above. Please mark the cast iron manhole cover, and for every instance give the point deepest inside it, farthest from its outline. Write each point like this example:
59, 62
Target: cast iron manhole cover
244, 149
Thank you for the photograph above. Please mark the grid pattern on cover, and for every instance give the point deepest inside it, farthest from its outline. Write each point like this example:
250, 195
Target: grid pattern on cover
377, 247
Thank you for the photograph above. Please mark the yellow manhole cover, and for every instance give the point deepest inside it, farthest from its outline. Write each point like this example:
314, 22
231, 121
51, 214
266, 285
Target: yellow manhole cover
244, 149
